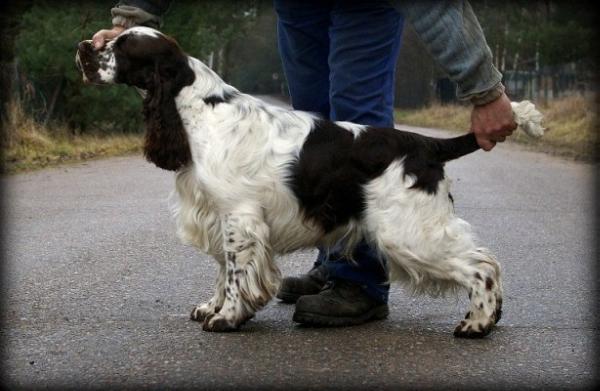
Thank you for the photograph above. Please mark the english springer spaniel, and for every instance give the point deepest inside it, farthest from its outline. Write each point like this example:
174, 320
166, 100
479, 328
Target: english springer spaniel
254, 181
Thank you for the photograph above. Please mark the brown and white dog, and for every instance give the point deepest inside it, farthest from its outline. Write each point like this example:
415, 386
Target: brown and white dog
254, 181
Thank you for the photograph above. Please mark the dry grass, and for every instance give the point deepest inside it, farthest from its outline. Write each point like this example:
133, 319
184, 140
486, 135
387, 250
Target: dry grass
571, 122
450, 117
28, 145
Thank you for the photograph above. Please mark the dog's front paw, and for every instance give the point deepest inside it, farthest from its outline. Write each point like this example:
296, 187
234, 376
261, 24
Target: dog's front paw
470, 328
219, 323
199, 313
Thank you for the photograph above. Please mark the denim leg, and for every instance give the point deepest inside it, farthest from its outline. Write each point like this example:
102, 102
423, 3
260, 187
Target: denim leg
339, 58
365, 41
303, 40
364, 45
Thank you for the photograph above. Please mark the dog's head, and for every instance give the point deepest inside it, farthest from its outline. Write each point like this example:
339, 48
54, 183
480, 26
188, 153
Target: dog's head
139, 57
149, 60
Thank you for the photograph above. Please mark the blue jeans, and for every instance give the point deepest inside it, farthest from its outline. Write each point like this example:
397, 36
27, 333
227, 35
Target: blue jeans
339, 58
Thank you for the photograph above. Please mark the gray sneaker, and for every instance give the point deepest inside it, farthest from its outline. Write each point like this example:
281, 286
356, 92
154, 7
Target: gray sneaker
307, 284
340, 303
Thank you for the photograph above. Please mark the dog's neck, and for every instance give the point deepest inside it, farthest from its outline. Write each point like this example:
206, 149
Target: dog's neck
206, 86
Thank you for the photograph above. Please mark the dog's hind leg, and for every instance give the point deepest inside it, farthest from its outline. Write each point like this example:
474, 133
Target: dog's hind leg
432, 249
251, 277
437, 262
480, 274
475, 270
202, 311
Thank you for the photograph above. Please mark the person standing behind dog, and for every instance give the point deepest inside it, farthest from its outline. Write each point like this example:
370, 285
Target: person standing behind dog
339, 59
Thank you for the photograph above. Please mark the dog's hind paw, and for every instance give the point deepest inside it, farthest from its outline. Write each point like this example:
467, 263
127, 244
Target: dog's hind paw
473, 329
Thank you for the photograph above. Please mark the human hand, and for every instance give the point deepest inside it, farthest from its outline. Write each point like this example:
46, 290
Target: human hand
104, 35
492, 122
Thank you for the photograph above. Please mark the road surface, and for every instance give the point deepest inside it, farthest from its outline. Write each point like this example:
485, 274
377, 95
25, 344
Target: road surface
97, 291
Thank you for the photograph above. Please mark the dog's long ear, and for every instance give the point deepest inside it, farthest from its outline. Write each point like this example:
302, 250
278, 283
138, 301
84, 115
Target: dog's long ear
166, 144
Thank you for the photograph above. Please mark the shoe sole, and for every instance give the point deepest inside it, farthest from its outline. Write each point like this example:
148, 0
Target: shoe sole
311, 319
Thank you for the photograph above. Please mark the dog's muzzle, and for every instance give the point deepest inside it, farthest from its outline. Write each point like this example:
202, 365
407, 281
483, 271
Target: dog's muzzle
86, 60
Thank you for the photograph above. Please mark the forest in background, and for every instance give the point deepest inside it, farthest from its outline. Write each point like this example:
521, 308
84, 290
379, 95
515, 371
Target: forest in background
545, 49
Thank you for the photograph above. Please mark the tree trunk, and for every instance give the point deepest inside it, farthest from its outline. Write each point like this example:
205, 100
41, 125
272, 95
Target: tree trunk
55, 96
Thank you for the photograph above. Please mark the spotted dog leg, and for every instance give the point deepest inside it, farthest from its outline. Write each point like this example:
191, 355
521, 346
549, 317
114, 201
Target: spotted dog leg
251, 278
202, 311
485, 292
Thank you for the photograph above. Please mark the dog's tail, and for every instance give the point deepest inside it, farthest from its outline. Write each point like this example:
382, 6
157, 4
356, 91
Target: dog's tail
527, 117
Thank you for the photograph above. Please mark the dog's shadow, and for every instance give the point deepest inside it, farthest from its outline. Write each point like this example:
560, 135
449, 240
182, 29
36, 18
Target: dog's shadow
276, 319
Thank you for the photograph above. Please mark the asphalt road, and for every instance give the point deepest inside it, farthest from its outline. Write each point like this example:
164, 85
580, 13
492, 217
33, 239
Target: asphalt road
97, 291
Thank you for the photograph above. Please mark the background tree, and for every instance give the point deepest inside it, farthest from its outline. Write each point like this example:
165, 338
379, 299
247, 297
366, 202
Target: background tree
237, 38
557, 31
45, 51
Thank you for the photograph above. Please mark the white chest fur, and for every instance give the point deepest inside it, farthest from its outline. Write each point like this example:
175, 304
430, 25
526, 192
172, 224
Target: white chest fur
241, 154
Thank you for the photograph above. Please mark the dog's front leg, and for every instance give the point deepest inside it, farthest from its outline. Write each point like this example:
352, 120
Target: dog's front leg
202, 311
252, 278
